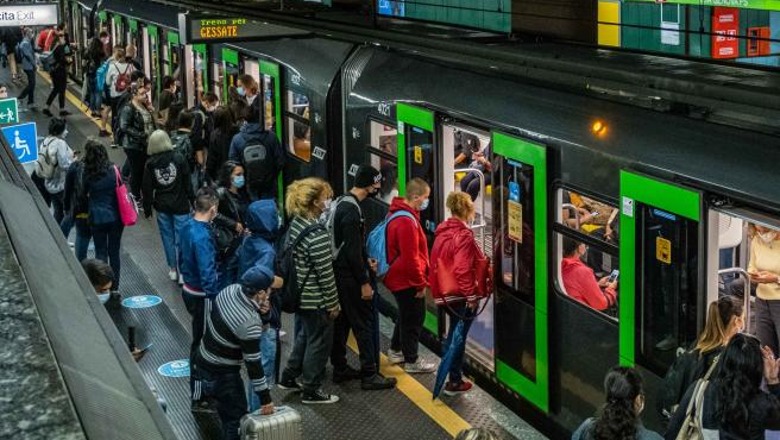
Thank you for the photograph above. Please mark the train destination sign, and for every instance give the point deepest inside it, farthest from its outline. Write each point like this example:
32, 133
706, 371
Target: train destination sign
210, 29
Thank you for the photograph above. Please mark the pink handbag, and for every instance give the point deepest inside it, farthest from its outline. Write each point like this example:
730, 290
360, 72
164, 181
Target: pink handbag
128, 210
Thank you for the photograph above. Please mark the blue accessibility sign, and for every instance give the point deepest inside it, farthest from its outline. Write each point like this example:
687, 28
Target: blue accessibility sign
23, 139
180, 368
141, 301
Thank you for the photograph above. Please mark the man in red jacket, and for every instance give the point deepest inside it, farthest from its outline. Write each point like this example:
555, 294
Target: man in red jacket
579, 280
407, 278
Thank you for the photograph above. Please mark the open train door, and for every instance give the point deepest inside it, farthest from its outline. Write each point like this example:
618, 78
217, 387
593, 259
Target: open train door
520, 263
662, 269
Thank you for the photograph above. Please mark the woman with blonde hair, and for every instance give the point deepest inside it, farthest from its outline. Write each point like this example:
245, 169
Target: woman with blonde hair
456, 252
309, 243
166, 188
764, 271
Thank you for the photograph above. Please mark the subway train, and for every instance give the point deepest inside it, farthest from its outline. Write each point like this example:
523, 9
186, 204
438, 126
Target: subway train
661, 201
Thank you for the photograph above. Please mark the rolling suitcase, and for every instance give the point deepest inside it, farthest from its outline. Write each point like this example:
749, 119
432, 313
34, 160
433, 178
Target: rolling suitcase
283, 424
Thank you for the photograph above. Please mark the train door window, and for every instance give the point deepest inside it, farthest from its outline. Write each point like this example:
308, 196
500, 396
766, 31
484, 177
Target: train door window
166, 59
662, 269
268, 83
230, 70
147, 55
383, 155
115, 37
586, 237
298, 125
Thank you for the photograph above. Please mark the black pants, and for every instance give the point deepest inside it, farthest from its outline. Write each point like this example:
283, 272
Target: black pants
411, 314
197, 307
137, 161
29, 91
228, 389
108, 242
40, 183
57, 202
310, 351
470, 184
113, 102
59, 79
357, 314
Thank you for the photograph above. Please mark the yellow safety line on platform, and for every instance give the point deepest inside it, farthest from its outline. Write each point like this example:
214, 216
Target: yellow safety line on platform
437, 410
73, 99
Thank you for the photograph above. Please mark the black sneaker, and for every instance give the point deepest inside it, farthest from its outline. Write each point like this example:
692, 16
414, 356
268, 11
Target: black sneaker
290, 384
319, 397
346, 374
47, 112
64, 113
203, 406
377, 382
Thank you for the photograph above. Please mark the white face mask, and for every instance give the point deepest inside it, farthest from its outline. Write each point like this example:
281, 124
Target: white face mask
65, 133
768, 237
103, 297
326, 204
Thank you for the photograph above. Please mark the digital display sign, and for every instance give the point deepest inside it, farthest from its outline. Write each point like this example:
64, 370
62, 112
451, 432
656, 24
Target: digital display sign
210, 29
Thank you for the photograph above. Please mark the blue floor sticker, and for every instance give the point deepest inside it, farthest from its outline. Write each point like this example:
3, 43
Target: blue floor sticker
180, 368
141, 301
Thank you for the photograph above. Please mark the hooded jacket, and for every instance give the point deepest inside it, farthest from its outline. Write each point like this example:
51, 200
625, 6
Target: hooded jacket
456, 248
199, 259
262, 220
166, 184
252, 133
407, 250
579, 281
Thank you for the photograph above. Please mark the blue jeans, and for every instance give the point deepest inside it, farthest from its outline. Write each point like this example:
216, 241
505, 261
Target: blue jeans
108, 239
228, 390
67, 224
83, 235
94, 98
268, 353
170, 226
456, 366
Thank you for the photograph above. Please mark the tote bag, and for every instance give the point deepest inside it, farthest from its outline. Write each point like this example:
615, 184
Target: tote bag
128, 210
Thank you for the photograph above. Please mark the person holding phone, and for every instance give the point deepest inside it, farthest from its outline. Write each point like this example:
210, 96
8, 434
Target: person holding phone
579, 280
764, 271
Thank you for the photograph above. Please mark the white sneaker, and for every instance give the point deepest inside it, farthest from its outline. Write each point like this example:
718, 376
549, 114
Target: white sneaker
395, 357
181, 280
420, 366
173, 275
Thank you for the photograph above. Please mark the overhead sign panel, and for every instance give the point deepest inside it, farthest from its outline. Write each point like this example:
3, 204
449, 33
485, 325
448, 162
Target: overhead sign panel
764, 5
198, 29
29, 15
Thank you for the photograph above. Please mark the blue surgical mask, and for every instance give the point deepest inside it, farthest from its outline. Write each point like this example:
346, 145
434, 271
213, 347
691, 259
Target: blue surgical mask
241, 91
425, 204
104, 296
238, 181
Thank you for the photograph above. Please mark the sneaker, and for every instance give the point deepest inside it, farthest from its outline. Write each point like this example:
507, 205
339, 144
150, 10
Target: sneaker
346, 374
377, 382
71, 244
181, 280
104, 134
395, 357
319, 397
47, 112
64, 113
203, 406
290, 384
453, 389
173, 275
419, 366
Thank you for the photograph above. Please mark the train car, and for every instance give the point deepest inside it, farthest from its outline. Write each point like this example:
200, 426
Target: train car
660, 201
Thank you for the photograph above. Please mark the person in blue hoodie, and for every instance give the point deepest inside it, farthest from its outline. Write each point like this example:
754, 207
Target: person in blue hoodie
257, 249
198, 263
261, 185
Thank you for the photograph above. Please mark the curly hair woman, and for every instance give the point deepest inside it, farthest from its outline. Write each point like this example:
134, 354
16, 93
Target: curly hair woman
619, 418
734, 404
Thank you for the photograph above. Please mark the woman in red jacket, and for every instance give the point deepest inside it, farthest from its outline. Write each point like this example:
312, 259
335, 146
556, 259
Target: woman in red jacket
456, 251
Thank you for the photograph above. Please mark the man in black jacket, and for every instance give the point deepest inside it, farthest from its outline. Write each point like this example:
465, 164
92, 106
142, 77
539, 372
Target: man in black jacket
351, 267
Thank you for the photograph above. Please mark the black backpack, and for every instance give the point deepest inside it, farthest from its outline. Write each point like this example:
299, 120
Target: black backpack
290, 294
258, 167
675, 383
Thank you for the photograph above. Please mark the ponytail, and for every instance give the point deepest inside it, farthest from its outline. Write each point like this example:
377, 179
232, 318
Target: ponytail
618, 419
719, 315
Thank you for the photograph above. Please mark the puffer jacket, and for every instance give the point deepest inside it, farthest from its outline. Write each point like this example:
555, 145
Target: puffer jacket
407, 250
132, 130
455, 248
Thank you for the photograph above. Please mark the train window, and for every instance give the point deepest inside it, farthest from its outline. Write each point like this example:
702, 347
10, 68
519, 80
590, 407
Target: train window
667, 249
269, 92
513, 232
588, 215
298, 125
419, 162
383, 155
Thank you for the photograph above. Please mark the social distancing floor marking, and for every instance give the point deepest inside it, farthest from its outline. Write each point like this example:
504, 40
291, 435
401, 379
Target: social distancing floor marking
437, 410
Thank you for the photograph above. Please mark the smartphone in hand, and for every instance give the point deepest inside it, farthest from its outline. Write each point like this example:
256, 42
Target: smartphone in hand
613, 276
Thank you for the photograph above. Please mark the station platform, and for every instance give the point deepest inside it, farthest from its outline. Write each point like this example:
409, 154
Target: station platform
407, 412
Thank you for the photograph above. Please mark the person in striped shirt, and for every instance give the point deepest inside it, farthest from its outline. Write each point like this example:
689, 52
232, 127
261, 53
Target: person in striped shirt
306, 200
232, 337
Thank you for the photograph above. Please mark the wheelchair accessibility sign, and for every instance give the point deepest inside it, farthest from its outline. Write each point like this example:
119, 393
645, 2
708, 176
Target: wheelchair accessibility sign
180, 368
23, 139
141, 301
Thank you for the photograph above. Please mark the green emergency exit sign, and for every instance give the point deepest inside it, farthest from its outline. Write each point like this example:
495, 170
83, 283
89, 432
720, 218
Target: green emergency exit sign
9, 111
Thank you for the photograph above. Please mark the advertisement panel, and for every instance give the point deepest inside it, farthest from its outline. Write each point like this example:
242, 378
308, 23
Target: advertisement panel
725, 28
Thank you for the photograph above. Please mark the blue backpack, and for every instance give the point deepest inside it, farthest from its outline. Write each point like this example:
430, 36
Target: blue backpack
100, 76
376, 244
